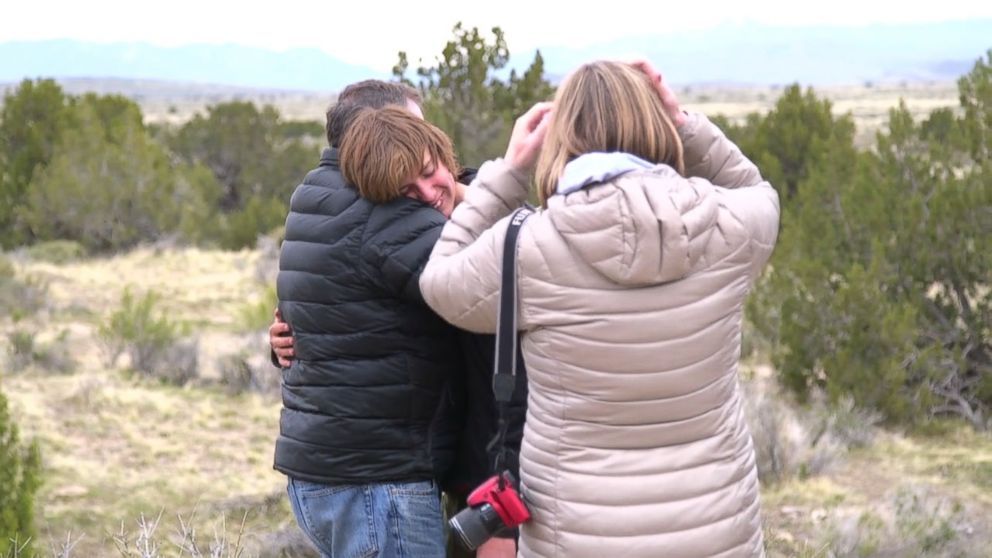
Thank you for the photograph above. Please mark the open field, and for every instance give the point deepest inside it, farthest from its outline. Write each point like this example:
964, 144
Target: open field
117, 447
868, 103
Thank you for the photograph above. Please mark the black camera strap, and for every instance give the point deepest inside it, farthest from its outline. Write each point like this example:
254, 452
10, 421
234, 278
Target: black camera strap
505, 375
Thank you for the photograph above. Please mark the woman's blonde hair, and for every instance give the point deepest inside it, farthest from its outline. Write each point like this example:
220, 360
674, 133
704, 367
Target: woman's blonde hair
383, 148
606, 106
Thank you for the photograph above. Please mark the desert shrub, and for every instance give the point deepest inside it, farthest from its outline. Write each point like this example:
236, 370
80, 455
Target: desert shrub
879, 286
146, 542
242, 228
848, 424
20, 349
256, 316
785, 446
56, 251
254, 163
792, 440
24, 350
55, 356
20, 296
913, 521
33, 117
464, 97
180, 364
152, 341
137, 328
6, 267
247, 371
109, 185
20, 467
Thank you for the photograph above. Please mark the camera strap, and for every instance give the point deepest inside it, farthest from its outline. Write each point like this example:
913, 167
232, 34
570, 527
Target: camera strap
505, 375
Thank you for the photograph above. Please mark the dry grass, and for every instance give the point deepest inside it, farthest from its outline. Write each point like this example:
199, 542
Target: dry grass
205, 289
115, 445
948, 471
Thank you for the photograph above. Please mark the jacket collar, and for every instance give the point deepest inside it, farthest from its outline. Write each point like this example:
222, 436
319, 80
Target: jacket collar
595, 168
329, 157
467, 175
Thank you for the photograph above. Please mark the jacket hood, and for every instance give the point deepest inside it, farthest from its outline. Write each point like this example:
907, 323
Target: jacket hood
635, 223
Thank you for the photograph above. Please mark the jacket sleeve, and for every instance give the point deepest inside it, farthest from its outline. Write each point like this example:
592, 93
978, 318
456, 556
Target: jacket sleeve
461, 281
709, 154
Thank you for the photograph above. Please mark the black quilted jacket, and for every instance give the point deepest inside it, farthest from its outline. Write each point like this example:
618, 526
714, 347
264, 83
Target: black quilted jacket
370, 395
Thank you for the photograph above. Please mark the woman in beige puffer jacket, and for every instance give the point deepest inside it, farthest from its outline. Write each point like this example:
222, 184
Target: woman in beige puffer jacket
632, 280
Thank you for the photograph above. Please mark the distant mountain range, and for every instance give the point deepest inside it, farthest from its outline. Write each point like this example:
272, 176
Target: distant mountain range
750, 54
746, 54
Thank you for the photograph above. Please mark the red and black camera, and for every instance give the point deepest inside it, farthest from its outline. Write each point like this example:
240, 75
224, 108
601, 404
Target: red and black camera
493, 506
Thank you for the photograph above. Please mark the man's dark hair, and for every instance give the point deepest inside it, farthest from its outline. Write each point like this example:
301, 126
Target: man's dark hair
371, 93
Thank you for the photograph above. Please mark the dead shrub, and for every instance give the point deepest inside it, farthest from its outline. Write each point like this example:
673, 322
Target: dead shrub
246, 372
791, 441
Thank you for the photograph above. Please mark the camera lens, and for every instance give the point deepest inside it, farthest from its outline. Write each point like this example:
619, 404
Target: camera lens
476, 525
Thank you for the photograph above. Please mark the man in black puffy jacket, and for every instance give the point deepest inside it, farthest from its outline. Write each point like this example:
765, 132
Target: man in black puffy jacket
373, 399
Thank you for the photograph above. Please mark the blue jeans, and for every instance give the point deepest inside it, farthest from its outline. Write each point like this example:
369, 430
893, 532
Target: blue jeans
387, 520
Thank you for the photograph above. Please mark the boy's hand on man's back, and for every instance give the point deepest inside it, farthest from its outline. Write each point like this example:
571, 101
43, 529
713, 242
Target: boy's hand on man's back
281, 340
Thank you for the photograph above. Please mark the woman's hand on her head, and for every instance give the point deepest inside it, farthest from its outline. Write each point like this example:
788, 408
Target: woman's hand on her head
665, 93
528, 136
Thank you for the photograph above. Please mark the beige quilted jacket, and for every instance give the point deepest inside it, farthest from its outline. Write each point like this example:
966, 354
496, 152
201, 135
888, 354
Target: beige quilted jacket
631, 295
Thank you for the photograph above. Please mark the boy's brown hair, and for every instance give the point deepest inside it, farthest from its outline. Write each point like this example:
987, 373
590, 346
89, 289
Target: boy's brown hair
384, 147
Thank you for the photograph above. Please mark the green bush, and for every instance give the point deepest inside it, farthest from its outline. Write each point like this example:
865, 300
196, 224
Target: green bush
257, 316
20, 297
32, 120
151, 340
464, 96
56, 251
914, 521
110, 186
879, 286
20, 467
86, 169
241, 229
255, 161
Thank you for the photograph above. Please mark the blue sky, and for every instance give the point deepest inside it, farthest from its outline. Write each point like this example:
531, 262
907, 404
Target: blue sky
370, 32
